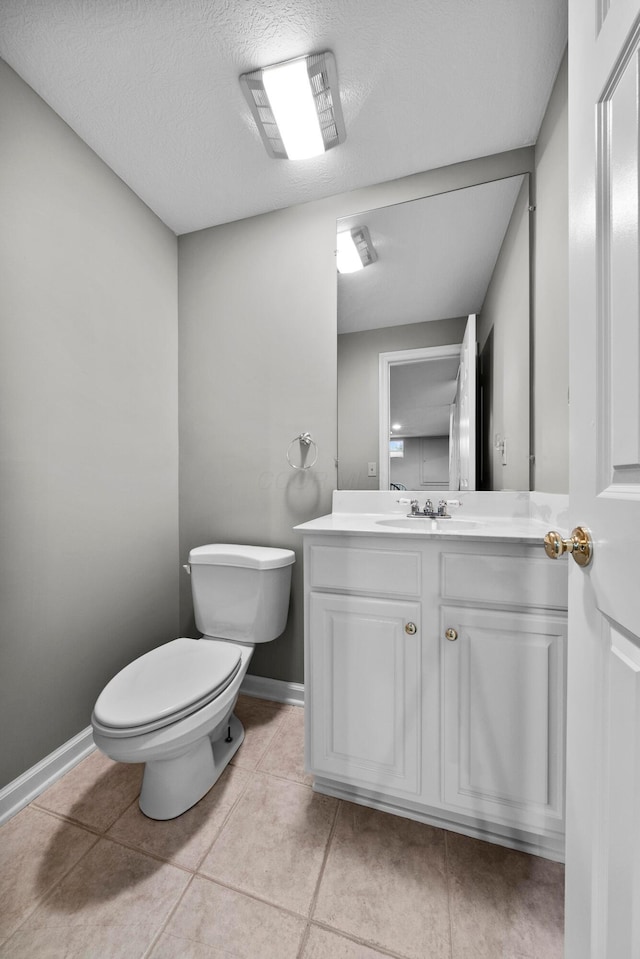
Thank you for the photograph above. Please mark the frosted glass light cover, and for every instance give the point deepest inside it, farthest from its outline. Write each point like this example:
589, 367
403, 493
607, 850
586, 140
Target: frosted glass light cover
316, 86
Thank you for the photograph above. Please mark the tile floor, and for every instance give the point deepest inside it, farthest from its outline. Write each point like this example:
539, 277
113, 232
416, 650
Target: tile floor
261, 868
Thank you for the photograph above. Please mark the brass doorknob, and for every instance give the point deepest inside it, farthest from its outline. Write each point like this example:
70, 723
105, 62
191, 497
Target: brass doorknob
411, 629
579, 544
451, 635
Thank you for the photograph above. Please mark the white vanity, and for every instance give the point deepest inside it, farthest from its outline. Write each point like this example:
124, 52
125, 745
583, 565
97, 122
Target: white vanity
435, 660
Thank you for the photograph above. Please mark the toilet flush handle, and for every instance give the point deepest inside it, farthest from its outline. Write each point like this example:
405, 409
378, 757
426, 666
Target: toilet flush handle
187, 566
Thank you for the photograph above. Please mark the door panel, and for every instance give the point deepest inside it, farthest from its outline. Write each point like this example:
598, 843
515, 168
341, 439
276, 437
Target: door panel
503, 717
622, 862
603, 731
366, 709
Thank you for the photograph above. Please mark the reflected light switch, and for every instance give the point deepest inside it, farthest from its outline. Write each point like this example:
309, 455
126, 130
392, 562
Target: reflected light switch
372, 469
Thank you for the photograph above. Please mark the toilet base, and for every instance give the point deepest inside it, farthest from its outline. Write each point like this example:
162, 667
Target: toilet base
171, 786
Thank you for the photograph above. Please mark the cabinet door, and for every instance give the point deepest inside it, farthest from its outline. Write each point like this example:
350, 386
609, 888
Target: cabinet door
503, 716
365, 699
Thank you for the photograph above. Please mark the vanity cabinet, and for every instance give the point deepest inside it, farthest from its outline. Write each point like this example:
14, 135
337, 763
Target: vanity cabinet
364, 664
366, 691
503, 716
466, 732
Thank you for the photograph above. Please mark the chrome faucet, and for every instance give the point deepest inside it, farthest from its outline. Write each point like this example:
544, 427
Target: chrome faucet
429, 511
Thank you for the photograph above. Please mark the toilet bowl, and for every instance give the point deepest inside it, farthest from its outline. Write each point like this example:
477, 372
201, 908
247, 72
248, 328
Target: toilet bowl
172, 708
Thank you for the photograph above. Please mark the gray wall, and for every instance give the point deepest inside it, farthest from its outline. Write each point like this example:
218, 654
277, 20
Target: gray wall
88, 428
257, 368
550, 296
504, 332
358, 386
257, 304
434, 452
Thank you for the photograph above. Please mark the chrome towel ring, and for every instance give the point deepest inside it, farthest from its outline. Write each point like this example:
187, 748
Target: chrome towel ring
305, 442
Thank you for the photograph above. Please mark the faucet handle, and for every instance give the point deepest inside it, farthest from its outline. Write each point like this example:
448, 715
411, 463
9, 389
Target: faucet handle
444, 504
413, 503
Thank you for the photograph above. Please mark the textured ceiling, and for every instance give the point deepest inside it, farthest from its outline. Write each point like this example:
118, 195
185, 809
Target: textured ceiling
152, 86
420, 396
436, 257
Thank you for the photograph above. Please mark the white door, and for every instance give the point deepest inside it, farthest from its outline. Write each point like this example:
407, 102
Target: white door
603, 770
466, 406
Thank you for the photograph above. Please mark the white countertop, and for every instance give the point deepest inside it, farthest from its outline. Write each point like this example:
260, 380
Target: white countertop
498, 517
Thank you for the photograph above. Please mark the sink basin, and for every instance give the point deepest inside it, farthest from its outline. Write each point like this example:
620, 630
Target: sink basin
426, 525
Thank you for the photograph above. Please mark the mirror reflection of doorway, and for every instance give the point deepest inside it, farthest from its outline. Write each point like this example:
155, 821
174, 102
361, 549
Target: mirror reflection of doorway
427, 417
420, 398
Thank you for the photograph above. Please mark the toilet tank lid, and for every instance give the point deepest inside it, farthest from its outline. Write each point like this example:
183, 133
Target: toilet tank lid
253, 557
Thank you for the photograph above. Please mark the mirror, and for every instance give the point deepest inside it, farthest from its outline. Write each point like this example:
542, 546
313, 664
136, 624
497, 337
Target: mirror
437, 262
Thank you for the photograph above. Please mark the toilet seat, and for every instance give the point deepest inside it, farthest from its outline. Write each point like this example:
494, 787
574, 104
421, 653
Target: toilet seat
165, 685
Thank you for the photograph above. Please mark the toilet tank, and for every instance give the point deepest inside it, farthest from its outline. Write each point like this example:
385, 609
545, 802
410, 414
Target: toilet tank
241, 592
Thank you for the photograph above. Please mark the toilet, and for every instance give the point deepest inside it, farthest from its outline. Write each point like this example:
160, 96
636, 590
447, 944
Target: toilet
172, 708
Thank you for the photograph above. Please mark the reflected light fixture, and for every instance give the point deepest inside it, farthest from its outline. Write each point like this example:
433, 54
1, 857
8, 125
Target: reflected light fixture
354, 250
296, 106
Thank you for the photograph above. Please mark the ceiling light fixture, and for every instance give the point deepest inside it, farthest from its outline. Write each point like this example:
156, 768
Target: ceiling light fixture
296, 106
355, 250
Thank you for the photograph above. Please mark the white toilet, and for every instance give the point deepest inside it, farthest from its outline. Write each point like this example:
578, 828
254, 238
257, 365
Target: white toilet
172, 708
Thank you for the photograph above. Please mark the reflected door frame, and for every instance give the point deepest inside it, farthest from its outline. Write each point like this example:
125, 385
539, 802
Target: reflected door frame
386, 362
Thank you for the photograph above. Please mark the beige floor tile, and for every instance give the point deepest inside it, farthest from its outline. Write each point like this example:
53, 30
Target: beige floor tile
95, 792
36, 850
186, 839
93, 942
273, 843
212, 921
385, 882
172, 947
323, 944
114, 894
503, 903
261, 721
285, 756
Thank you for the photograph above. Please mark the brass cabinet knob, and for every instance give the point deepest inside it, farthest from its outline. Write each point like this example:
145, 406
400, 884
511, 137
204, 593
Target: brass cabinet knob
411, 629
579, 544
451, 635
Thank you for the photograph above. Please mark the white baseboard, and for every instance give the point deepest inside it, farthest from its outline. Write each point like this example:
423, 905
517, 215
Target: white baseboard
19, 793
274, 689
23, 790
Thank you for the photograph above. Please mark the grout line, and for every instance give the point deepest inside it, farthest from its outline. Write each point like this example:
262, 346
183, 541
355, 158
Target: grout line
252, 895
50, 891
357, 940
285, 779
149, 855
170, 916
316, 892
224, 822
65, 817
60, 817
304, 941
114, 839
